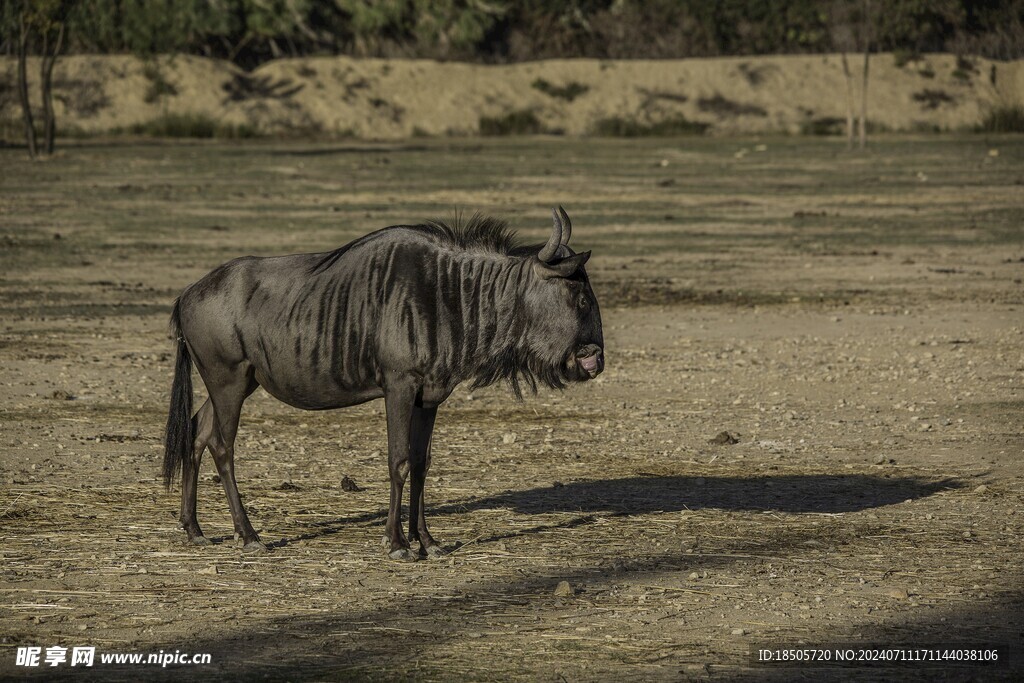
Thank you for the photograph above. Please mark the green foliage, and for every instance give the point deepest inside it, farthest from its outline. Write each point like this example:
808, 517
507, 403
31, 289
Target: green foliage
190, 126
833, 125
916, 25
722, 106
1004, 119
435, 28
252, 31
902, 56
520, 122
149, 27
825, 125
568, 92
625, 128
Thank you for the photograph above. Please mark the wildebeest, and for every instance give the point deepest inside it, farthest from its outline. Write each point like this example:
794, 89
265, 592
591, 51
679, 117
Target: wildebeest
405, 313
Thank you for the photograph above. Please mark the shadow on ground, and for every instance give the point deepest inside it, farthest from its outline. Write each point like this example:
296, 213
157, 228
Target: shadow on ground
646, 494
818, 493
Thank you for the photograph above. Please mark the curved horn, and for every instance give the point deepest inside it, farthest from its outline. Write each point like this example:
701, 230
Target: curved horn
566, 226
555, 241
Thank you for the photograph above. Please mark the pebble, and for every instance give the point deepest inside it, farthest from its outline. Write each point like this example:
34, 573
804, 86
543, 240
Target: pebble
981, 489
508, 437
724, 439
564, 590
738, 632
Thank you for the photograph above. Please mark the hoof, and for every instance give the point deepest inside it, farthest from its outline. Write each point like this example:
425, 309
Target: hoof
436, 551
254, 547
199, 540
404, 554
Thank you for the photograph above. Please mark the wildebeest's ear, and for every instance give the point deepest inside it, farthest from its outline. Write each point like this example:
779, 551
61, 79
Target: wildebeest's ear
564, 268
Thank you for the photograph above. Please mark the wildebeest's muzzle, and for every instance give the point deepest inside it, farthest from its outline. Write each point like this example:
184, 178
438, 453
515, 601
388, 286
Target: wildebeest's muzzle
590, 359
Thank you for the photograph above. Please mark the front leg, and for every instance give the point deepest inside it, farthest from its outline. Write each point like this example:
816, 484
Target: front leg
399, 402
419, 463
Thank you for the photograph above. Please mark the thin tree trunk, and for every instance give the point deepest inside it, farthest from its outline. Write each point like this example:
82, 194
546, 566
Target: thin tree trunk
866, 19
864, 102
26, 107
849, 101
46, 78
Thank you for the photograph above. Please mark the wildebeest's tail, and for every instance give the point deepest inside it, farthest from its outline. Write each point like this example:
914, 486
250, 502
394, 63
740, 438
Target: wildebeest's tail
180, 434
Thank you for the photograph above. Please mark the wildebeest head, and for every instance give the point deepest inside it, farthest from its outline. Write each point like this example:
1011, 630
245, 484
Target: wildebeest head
561, 310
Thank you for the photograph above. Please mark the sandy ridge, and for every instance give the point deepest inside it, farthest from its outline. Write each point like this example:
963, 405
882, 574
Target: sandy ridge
390, 99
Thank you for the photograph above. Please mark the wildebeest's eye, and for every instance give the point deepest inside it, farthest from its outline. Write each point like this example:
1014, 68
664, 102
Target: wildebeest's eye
582, 303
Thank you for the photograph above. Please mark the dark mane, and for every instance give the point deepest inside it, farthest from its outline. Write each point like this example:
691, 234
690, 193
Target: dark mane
483, 233
480, 232
518, 368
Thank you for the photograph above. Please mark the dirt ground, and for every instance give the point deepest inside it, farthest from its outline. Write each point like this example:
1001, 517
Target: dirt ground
853, 320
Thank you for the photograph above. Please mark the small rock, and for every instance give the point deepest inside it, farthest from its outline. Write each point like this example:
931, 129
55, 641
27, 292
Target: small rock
564, 590
693, 576
62, 395
898, 593
738, 632
212, 569
981, 489
508, 437
287, 486
724, 439
349, 484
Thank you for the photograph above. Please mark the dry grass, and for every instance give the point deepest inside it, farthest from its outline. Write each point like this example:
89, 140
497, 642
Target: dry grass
839, 315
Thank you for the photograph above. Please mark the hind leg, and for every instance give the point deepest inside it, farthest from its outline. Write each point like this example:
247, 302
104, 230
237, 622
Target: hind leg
227, 393
228, 405
204, 426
